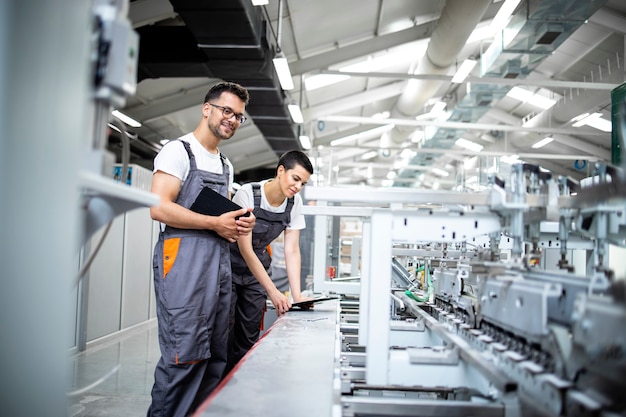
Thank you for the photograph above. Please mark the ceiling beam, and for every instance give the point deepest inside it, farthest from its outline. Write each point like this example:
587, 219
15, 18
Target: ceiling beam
353, 101
360, 49
462, 125
609, 20
536, 82
145, 112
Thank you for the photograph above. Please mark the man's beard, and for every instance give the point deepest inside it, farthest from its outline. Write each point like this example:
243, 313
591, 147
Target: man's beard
219, 133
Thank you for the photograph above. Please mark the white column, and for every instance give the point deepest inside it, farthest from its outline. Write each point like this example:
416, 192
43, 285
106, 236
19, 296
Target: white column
379, 258
44, 104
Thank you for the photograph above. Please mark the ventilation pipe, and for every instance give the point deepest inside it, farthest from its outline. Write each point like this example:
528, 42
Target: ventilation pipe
457, 21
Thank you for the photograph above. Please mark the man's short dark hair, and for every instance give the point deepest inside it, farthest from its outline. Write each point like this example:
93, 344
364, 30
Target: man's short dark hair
216, 91
292, 158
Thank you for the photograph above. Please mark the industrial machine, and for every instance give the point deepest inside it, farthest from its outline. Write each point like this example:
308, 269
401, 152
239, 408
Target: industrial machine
501, 302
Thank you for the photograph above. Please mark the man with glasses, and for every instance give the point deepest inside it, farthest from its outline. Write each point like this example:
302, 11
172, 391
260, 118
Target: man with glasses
192, 271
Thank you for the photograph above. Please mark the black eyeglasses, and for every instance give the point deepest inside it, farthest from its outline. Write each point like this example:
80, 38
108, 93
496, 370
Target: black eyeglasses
228, 113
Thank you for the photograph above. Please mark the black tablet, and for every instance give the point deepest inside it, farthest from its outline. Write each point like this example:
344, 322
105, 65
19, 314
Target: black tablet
308, 303
212, 203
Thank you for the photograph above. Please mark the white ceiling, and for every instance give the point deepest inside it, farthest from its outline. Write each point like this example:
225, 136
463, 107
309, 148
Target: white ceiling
326, 35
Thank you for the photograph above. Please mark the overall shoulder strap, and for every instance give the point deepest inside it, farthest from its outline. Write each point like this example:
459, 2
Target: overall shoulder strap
256, 193
192, 158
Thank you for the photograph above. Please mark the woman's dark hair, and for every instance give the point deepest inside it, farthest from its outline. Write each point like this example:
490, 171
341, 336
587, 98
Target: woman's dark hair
216, 91
292, 158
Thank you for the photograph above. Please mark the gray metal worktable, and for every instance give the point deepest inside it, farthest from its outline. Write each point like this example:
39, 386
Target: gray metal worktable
288, 372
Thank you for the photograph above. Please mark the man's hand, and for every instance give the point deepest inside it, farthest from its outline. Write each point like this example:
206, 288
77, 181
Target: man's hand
245, 224
229, 228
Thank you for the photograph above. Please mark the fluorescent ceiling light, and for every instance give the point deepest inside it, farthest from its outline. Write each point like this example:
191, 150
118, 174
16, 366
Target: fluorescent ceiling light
502, 17
417, 136
440, 171
369, 155
126, 119
466, 67
323, 80
400, 163
594, 120
509, 159
600, 124
382, 115
407, 153
520, 94
578, 120
305, 142
526, 96
480, 34
438, 107
260, 2
377, 131
543, 142
468, 144
296, 114
284, 75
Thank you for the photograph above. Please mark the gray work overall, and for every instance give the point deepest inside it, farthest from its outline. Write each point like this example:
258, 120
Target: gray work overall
192, 281
248, 296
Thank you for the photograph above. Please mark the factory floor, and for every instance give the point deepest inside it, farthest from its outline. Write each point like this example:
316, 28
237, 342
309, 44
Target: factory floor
115, 378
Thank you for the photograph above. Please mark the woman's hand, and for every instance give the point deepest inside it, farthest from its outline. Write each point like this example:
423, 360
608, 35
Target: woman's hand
280, 301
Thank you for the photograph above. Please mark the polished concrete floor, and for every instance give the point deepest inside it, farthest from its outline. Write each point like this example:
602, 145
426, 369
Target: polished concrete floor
114, 378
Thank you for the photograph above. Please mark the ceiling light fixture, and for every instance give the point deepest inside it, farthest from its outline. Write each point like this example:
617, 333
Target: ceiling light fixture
282, 70
509, 159
369, 155
526, 96
126, 119
438, 107
543, 142
260, 2
440, 171
417, 136
296, 113
502, 17
594, 120
464, 70
363, 135
305, 142
468, 144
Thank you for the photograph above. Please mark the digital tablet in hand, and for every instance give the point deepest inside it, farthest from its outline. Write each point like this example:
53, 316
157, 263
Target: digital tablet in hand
212, 203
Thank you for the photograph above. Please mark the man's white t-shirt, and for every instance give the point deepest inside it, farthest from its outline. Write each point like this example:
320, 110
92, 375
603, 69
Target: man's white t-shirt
245, 198
173, 159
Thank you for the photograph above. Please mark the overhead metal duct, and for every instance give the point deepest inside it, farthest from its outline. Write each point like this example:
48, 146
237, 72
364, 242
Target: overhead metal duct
533, 34
224, 39
530, 37
459, 17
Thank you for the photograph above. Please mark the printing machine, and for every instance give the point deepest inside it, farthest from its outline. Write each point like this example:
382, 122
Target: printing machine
460, 306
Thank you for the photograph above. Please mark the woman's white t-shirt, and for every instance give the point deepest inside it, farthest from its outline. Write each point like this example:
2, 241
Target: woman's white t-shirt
245, 198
